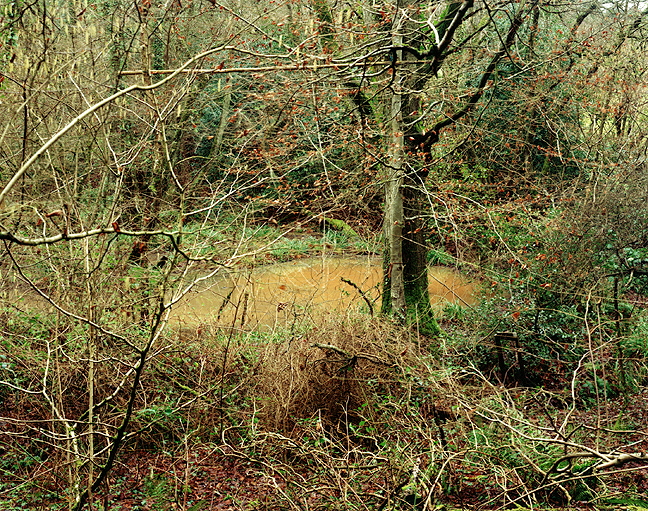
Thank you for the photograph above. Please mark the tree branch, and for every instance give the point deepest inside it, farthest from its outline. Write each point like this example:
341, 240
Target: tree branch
425, 141
55, 138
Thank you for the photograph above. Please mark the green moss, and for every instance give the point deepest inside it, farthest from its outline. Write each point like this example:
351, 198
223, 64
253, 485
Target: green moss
420, 314
340, 225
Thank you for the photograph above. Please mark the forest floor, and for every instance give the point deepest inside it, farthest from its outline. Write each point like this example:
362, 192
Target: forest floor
217, 480
220, 477
176, 470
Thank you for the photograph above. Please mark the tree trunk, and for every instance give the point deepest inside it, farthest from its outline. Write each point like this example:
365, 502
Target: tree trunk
417, 295
410, 154
405, 292
394, 293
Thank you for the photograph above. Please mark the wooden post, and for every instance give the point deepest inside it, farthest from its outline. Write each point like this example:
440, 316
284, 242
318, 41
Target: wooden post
508, 336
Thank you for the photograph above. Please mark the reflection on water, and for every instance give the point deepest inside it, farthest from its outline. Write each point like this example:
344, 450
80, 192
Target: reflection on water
281, 293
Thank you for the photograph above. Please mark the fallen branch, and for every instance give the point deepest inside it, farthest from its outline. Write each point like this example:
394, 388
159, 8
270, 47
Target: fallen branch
361, 292
351, 359
620, 459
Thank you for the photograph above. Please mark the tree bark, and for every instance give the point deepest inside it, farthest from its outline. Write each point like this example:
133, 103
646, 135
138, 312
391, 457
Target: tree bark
406, 272
394, 295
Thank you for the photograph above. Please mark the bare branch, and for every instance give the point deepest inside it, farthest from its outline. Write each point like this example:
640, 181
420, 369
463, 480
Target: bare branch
55, 138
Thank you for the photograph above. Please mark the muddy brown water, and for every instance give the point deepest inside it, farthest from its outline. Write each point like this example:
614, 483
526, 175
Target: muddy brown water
283, 294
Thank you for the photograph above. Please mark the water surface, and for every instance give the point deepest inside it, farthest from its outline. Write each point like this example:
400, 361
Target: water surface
281, 294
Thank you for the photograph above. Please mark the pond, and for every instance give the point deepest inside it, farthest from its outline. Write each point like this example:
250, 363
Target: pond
281, 294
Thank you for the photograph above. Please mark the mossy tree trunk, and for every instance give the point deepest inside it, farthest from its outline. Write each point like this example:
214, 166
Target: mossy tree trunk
417, 52
405, 292
418, 143
394, 213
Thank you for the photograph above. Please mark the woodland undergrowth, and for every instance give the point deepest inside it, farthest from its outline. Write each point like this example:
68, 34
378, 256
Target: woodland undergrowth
351, 413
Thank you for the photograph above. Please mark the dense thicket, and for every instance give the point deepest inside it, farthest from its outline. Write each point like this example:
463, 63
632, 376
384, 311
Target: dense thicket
150, 149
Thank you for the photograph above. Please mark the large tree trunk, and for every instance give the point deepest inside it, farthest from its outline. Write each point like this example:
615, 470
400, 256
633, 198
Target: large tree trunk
406, 194
394, 215
406, 295
415, 251
405, 292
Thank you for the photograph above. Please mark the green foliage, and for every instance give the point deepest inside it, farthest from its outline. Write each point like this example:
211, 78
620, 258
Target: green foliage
339, 240
341, 226
290, 248
454, 312
635, 345
162, 419
546, 348
595, 389
157, 492
631, 504
439, 257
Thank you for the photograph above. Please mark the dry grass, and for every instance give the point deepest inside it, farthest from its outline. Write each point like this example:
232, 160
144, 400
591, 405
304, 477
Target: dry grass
323, 373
